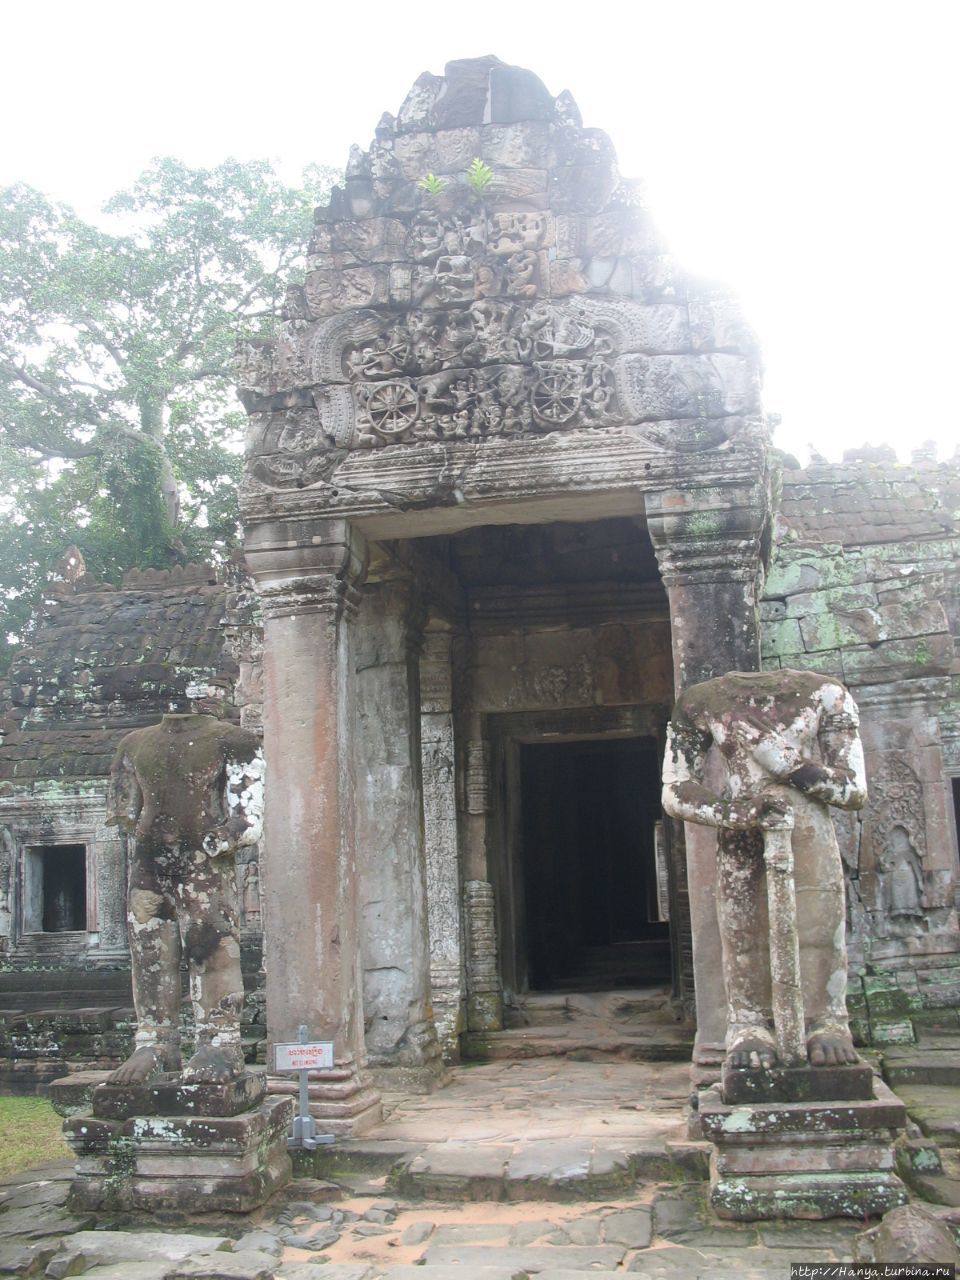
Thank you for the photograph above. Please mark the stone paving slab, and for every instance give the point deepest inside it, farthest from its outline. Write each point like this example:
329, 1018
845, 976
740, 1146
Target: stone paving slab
450, 1272
531, 1260
108, 1248
330, 1271
248, 1264
155, 1270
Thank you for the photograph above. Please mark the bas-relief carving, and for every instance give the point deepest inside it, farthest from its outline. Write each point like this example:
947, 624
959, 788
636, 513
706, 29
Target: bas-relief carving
785, 745
461, 320
899, 843
7, 855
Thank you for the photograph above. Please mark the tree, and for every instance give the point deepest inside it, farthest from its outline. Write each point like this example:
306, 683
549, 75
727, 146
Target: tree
118, 430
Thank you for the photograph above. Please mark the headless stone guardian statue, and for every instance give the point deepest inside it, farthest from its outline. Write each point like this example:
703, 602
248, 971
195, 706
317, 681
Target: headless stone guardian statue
189, 790
752, 754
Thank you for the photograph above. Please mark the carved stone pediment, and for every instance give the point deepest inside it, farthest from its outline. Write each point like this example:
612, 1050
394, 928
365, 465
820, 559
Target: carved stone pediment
537, 301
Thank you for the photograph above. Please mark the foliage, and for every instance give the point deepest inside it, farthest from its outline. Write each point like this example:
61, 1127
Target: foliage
31, 1134
119, 428
433, 185
479, 175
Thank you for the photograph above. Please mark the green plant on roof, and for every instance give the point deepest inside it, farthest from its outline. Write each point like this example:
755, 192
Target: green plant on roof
479, 175
433, 185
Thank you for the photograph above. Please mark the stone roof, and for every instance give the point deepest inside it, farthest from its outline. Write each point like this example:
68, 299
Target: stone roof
101, 661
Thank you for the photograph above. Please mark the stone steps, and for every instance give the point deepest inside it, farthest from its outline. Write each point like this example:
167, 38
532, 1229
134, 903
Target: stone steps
665, 1233
658, 1044
556, 1172
626, 1006
930, 1065
934, 1108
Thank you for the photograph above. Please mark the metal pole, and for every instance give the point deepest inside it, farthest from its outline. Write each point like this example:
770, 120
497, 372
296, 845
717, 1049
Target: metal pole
304, 1125
786, 992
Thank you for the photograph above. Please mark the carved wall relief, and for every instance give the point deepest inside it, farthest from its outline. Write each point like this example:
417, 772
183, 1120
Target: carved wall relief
900, 844
6, 877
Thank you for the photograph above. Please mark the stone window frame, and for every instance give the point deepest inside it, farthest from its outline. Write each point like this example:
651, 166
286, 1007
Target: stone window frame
46, 822
27, 851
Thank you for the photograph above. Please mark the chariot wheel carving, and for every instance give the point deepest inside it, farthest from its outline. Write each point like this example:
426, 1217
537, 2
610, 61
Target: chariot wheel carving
393, 408
556, 397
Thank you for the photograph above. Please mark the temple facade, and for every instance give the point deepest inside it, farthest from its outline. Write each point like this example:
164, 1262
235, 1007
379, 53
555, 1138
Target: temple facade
509, 490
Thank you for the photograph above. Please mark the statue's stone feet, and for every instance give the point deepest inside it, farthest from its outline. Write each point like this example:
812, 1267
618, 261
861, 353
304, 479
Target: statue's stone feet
213, 1064
831, 1049
145, 1064
751, 1052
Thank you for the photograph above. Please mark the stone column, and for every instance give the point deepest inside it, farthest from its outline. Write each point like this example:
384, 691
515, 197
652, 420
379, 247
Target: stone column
708, 546
400, 1034
442, 843
308, 578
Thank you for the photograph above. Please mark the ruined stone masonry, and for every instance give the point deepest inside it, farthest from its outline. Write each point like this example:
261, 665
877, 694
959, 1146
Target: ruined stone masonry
509, 492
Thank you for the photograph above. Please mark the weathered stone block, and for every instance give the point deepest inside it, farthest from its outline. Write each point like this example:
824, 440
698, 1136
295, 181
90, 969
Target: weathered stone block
898, 659
742, 1123
175, 1097
167, 1162
848, 1193
781, 639
73, 1094
844, 627
797, 1084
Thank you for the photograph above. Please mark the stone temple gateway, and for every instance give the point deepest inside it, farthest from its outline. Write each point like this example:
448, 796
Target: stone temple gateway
510, 494
509, 490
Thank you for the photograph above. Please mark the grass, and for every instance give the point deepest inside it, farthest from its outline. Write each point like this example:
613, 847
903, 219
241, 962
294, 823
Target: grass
30, 1134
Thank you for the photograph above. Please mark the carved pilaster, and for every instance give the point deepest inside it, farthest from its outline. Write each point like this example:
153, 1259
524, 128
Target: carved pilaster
308, 578
401, 1037
709, 544
484, 994
441, 838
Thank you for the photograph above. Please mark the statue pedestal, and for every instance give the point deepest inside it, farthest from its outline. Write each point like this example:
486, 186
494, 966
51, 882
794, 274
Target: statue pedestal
175, 1146
808, 1159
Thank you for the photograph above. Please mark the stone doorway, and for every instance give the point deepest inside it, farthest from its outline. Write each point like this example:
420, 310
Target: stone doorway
575, 837
594, 914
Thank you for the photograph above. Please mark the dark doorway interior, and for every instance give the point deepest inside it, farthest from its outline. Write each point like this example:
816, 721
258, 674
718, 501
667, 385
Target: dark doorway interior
589, 812
64, 887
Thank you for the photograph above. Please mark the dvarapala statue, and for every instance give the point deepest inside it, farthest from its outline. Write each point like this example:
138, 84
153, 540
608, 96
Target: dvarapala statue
189, 790
784, 743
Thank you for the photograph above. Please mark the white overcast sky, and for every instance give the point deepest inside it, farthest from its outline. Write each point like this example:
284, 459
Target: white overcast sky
806, 153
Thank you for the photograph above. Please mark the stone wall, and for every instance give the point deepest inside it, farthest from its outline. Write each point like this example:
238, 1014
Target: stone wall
98, 662
864, 585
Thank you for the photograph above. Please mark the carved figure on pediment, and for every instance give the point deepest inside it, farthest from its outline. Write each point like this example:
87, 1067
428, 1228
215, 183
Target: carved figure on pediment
425, 240
533, 327
516, 232
255, 366
752, 753
522, 275
487, 281
189, 792
453, 280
